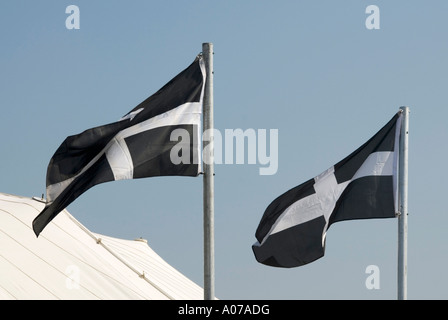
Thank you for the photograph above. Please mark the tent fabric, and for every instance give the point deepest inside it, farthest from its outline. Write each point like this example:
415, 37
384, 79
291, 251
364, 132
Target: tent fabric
69, 262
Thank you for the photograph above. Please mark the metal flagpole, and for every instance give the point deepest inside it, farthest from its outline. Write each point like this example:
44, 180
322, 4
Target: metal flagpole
208, 177
403, 198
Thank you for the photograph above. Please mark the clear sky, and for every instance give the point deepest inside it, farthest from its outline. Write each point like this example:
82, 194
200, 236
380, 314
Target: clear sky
310, 69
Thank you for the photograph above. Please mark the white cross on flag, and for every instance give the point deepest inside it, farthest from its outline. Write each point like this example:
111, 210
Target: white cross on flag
136, 146
292, 230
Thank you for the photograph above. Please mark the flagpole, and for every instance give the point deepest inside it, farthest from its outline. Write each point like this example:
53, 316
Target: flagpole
208, 178
403, 198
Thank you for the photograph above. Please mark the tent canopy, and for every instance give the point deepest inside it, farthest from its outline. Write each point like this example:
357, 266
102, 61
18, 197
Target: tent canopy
70, 262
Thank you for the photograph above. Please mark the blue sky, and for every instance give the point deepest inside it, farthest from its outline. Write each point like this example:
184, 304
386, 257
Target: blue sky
310, 69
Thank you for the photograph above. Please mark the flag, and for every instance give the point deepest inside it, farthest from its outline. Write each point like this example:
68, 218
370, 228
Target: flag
292, 230
138, 145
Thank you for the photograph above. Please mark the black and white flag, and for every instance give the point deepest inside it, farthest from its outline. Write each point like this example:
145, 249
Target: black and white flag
138, 145
292, 230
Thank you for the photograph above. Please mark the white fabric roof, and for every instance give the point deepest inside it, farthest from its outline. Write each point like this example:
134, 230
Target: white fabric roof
69, 262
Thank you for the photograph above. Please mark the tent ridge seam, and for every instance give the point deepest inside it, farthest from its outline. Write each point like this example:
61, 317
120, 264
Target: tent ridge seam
99, 241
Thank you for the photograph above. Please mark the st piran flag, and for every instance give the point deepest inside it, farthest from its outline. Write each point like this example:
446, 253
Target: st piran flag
292, 230
136, 146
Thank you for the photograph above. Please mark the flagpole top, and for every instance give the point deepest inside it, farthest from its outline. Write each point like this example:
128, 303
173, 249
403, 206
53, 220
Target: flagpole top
207, 47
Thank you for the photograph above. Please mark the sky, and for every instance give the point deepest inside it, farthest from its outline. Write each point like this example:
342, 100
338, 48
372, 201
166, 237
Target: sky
313, 70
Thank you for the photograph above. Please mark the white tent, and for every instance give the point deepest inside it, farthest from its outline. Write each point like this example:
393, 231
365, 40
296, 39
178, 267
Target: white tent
70, 262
